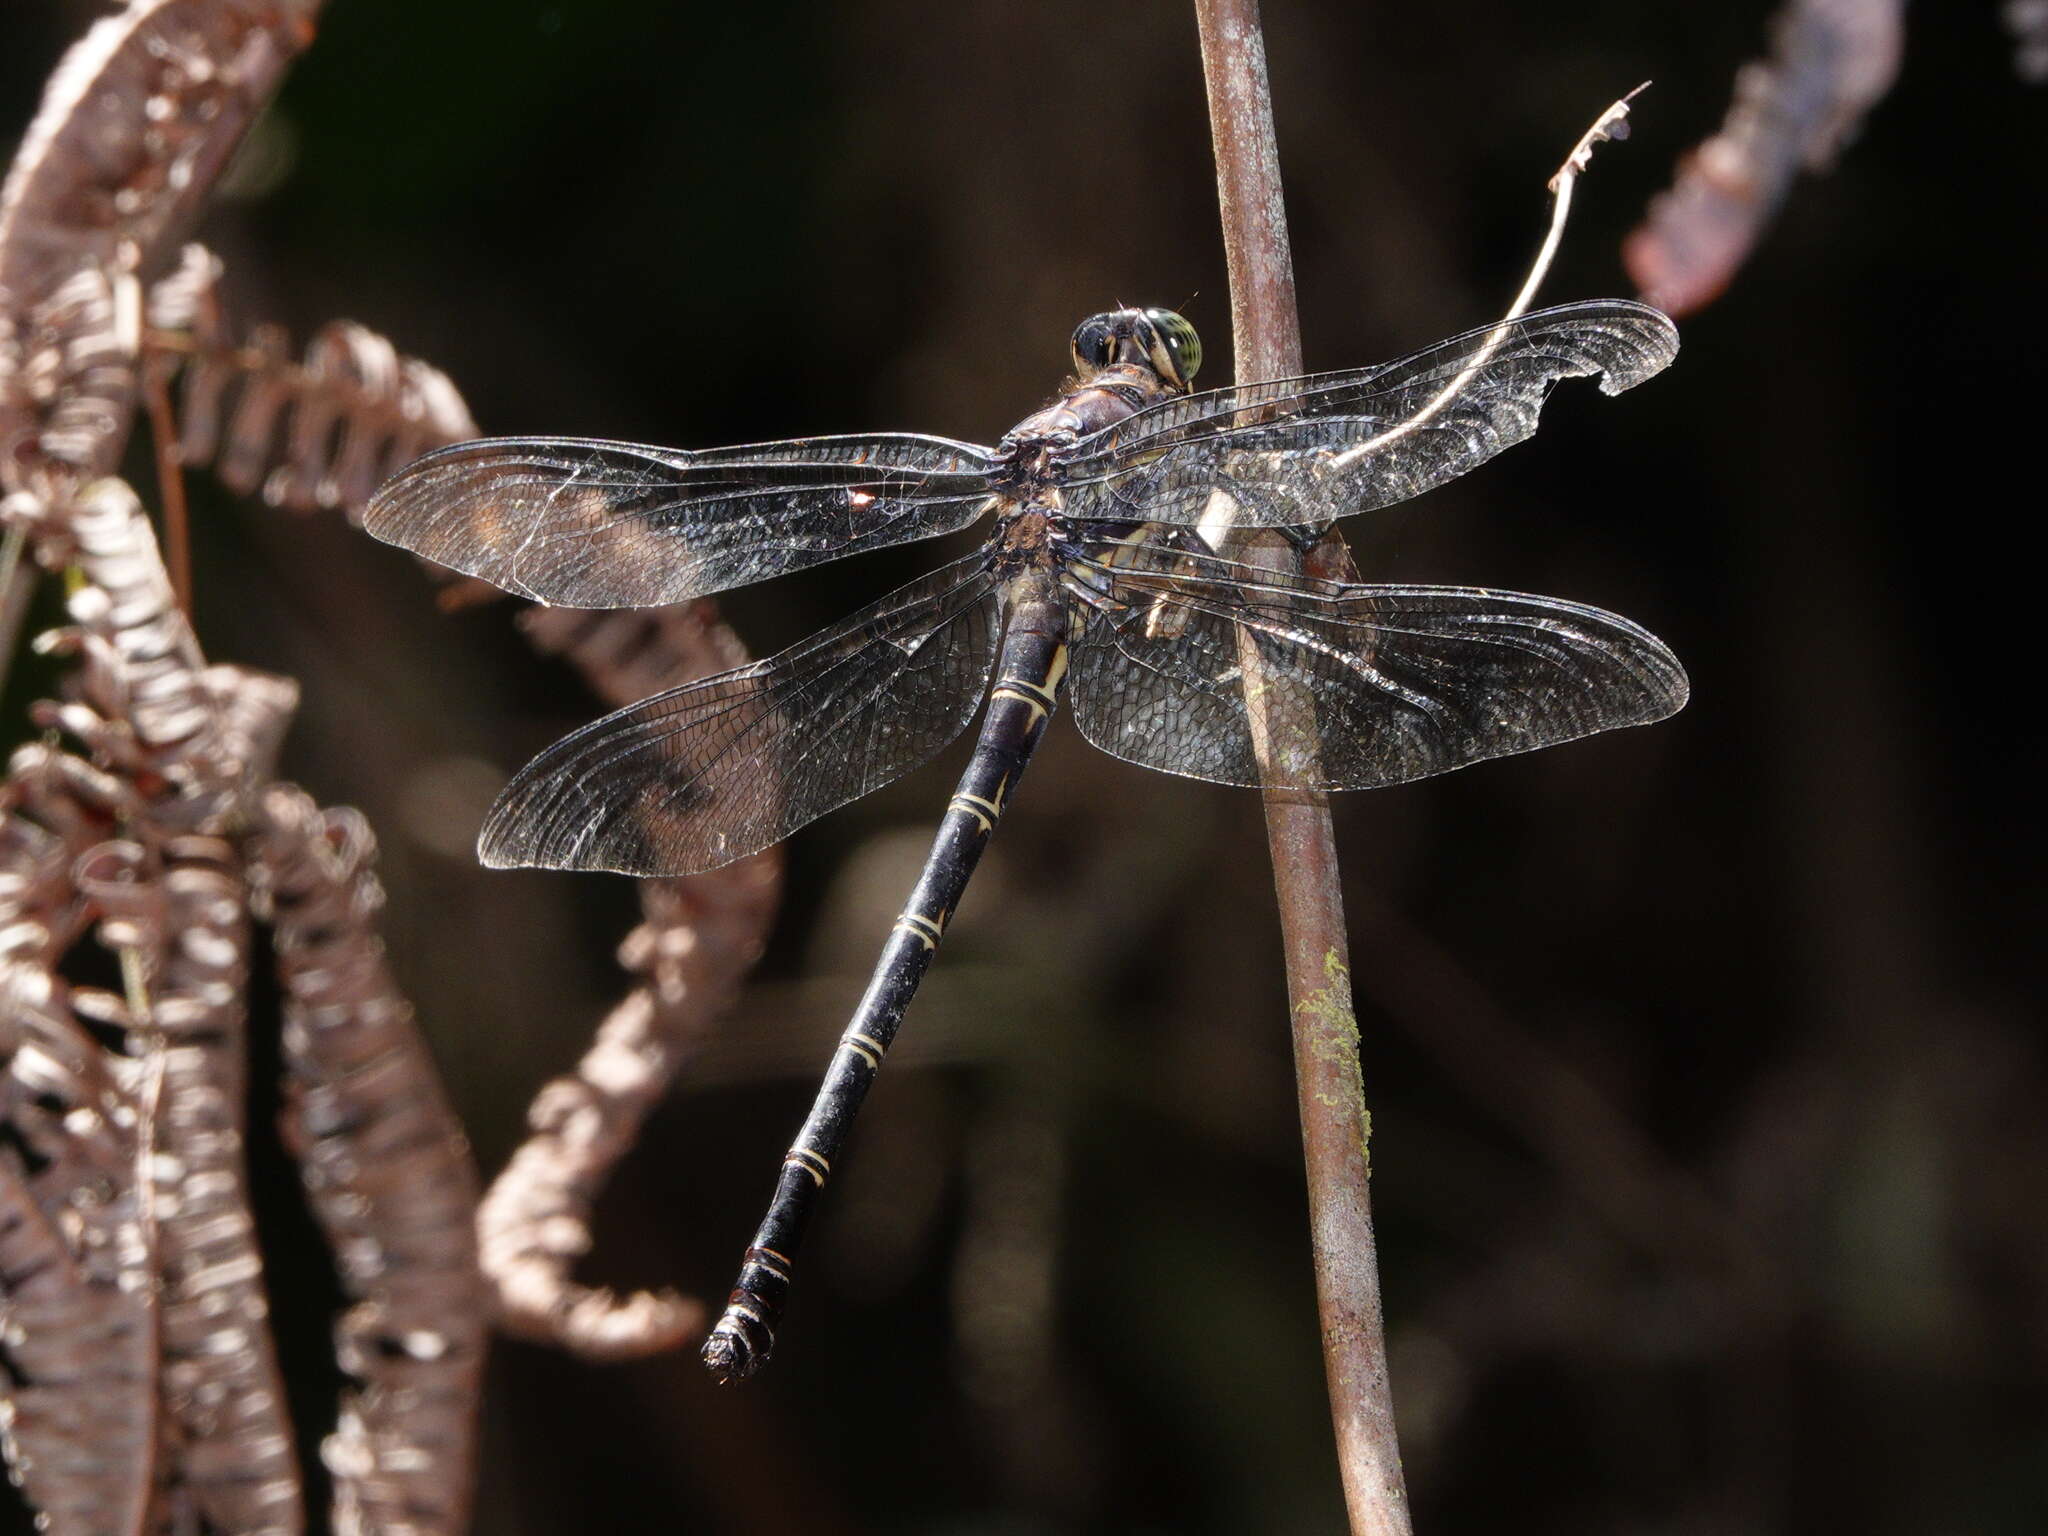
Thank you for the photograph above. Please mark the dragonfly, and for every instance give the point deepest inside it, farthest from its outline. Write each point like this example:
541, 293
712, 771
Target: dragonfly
1113, 575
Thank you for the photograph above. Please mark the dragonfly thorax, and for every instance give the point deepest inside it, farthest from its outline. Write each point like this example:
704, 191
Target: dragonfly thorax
1124, 360
1101, 400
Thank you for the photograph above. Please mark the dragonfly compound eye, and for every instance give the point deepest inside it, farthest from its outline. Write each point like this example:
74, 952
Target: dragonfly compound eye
1176, 349
1095, 343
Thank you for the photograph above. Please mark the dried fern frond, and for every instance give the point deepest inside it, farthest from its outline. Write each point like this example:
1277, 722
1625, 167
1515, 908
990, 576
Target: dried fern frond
388, 1173
78, 1321
321, 431
137, 693
189, 920
697, 939
78, 1419
67, 384
170, 753
625, 654
120, 1175
1831, 62
184, 747
152, 832
134, 127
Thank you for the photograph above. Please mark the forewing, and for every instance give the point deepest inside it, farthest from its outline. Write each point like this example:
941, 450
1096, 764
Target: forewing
1297, 452
1356, 686
591, 524
724, 767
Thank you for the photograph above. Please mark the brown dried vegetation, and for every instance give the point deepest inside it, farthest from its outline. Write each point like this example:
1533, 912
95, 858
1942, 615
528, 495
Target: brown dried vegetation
140, 1389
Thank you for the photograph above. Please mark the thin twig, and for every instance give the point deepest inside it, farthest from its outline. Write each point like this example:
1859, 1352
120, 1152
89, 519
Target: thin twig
1334, 1122
170, 479
16, 581
1612, 124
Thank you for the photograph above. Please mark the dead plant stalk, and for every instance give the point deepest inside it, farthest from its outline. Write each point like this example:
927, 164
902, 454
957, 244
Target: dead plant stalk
1334, 1123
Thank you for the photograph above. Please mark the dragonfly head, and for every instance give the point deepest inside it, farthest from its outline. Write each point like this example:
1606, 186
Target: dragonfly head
1157, 339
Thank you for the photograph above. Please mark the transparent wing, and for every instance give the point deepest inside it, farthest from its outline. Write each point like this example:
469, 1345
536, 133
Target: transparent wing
1296, 452
726, 766
1358, 686
592, 524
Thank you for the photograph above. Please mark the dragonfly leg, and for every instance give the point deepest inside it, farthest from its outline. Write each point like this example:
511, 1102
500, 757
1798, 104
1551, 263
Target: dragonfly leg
1028, 675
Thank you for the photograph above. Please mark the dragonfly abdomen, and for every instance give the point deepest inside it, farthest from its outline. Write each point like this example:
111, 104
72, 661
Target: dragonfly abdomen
1023, 691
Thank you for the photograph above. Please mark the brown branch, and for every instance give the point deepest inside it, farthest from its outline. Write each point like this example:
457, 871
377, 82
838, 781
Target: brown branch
1831, 62
2027, 20
1331, 1097
170, 478
1264, 320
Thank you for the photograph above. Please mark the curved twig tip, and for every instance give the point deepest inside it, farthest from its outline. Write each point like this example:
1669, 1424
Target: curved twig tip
1611, 124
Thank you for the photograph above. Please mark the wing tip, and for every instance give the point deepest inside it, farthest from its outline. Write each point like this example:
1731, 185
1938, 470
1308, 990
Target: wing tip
1655, 350
1676, 693
500, 845
515, 836
1661, 676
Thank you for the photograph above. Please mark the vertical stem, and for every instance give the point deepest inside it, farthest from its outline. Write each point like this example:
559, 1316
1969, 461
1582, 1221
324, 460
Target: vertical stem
16, 580
1334, 1122
1265, 324
170, 479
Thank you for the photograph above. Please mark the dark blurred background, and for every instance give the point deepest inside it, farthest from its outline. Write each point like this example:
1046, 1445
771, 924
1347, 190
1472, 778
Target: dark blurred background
1706, 1061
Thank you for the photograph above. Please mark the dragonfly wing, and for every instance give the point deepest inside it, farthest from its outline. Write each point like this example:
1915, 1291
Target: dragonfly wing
1356, 686
720, 768
592, 524
1298, 452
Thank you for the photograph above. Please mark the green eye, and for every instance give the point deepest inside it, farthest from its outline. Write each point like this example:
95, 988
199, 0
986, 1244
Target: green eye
1181, 347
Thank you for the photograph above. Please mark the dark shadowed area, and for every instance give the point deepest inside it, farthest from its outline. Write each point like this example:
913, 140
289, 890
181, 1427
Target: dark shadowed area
1707, 1061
